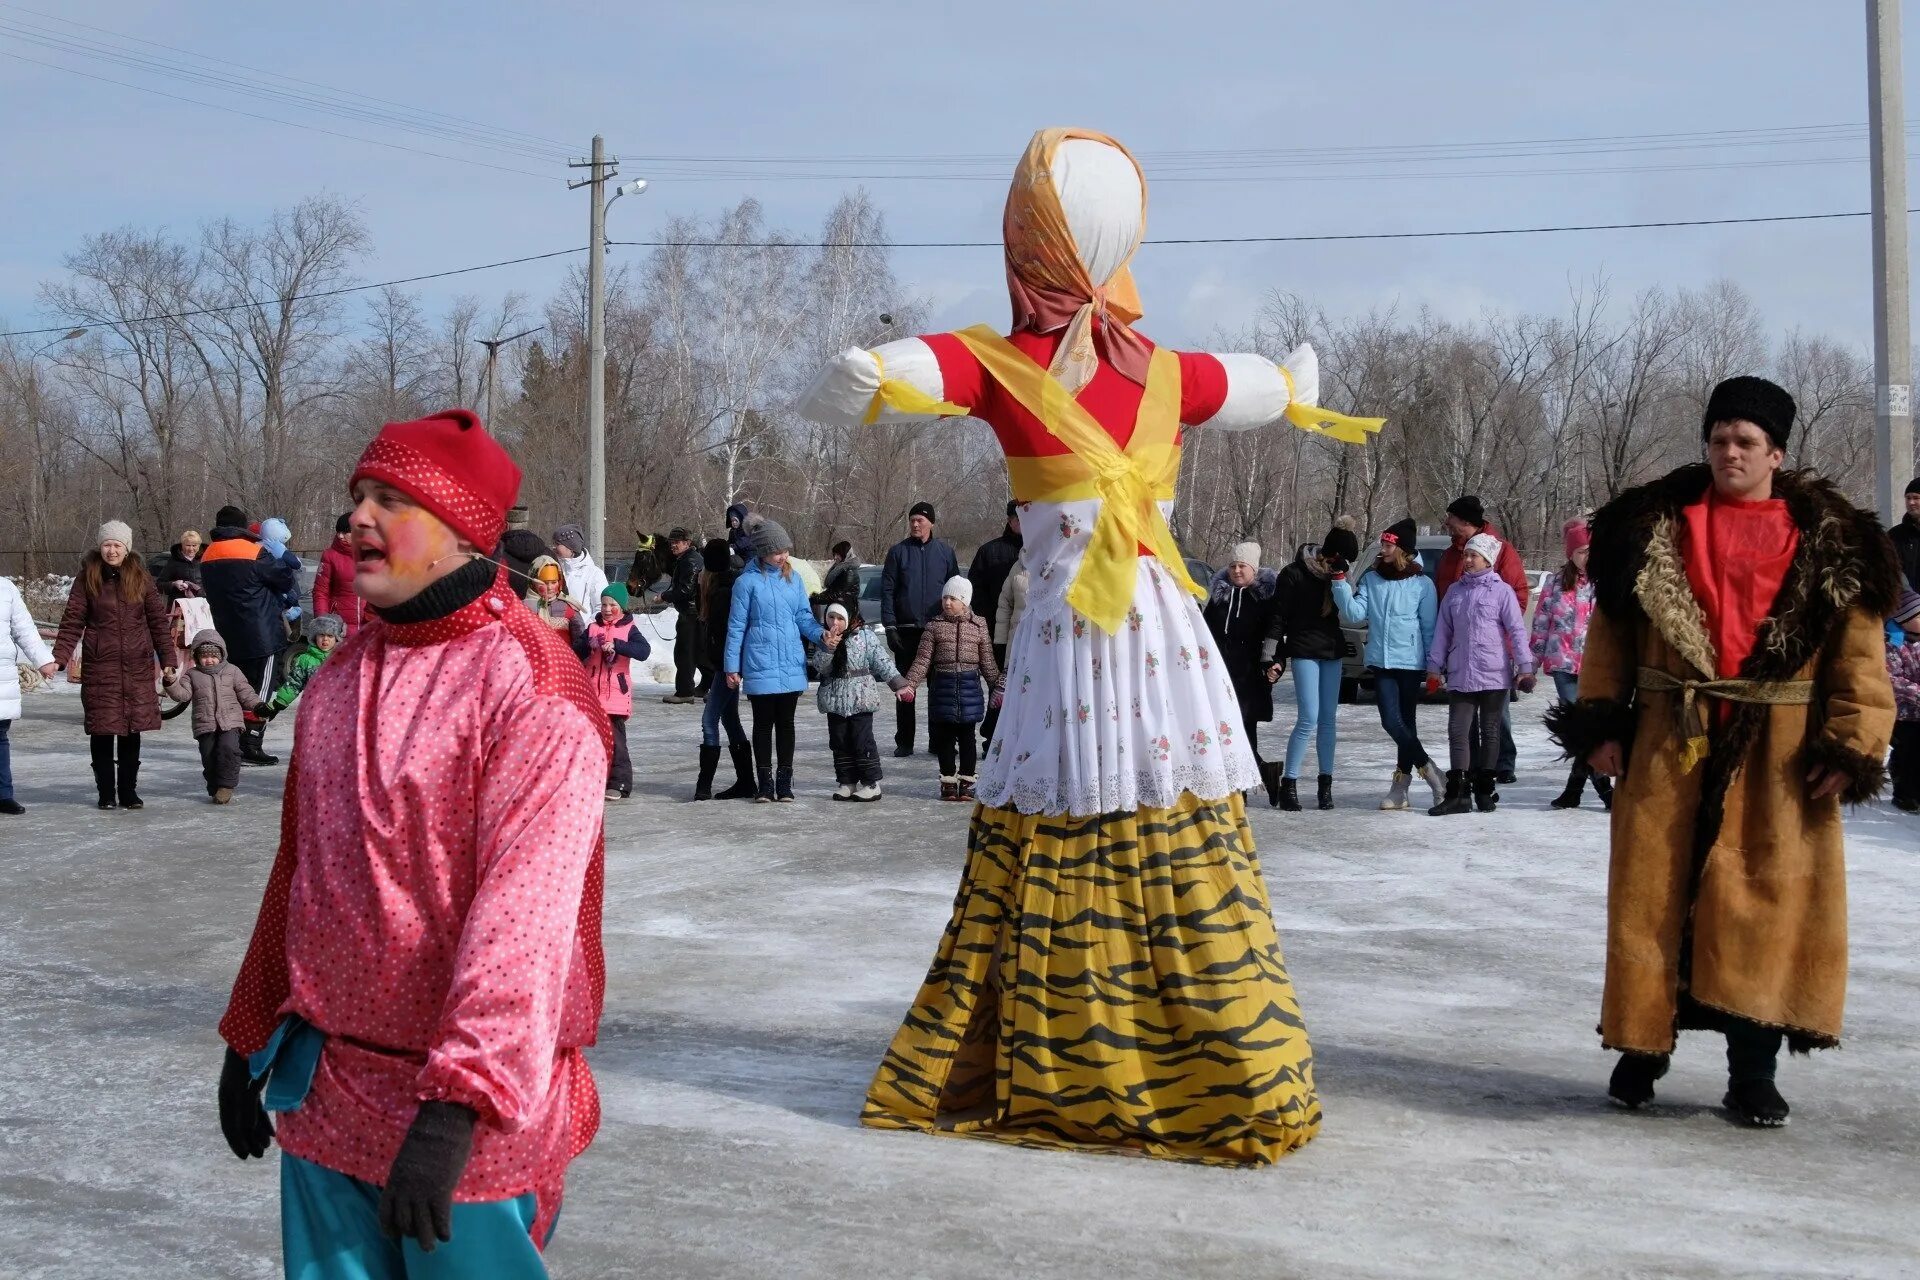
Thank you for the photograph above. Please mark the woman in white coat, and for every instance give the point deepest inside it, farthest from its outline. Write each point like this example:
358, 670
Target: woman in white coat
19, 643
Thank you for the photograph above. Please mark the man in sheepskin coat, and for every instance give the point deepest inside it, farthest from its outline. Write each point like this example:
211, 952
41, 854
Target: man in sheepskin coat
1735, 680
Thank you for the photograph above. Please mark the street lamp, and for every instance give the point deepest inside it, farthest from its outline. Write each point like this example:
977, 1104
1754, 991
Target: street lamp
493, 346
603, 171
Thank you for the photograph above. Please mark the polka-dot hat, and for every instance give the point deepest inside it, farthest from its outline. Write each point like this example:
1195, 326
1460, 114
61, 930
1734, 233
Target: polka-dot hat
448, 464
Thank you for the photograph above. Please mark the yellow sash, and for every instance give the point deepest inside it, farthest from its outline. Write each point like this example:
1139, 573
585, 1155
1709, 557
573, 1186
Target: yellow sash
1130, 483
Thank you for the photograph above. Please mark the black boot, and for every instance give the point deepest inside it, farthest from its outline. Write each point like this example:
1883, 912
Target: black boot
1633, 1077
103, 781
742, 788
1756, 1103
1576, 787
1270, 775
1456, 800
1289, 800
253, 748
1485, 798
764, 793
128, 774
1603, 787
1326, 791
783, 786
709, 762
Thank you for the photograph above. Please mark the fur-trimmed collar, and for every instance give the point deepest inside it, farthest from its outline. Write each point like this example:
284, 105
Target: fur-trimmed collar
1265, 583
1387, 573
1844, 560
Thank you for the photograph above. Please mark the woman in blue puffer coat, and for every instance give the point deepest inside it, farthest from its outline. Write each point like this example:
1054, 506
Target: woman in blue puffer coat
765, 651
1397, 602
766, 655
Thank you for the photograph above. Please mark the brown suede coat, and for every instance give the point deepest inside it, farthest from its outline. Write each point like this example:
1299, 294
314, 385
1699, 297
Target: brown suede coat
1726, 898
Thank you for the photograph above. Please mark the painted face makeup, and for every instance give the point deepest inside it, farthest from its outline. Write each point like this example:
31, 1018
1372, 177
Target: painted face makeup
399, 548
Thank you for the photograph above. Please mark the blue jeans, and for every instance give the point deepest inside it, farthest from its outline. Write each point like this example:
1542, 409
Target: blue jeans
1316, 699
6, 761
1567, 685
1398, 693
723, 708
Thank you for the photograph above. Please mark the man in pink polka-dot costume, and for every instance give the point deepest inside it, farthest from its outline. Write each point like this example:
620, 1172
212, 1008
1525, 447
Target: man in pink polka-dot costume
427, 966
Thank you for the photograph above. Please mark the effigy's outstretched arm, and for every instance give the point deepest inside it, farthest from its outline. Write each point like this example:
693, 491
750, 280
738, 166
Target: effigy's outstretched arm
1260, 393
897, 381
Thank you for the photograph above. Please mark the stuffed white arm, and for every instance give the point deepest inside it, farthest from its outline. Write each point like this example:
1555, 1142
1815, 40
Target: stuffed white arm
845, 392
1259, 392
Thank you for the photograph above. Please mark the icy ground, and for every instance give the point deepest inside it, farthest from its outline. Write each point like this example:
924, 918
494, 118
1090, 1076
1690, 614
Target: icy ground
761, 957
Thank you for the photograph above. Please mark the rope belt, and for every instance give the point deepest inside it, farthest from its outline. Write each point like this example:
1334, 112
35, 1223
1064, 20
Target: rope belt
1693, 728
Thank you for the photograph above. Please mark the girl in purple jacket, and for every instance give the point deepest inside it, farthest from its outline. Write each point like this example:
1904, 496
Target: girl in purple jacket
1479, 640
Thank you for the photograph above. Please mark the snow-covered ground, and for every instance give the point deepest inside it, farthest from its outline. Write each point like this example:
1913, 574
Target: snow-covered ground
761, 957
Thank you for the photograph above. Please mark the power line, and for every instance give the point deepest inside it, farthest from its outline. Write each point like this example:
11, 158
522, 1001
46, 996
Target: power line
294, 124
275, 79
296, 297
963, 244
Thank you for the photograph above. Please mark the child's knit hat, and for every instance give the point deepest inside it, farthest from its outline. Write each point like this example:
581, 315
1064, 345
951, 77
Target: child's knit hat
958, 588
1486, 545
616, 592
327, 624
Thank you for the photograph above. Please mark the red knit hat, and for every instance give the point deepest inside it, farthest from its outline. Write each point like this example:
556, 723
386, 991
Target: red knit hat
1577, 534
448, 464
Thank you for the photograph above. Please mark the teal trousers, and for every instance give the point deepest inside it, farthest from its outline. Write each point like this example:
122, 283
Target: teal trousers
330, 1230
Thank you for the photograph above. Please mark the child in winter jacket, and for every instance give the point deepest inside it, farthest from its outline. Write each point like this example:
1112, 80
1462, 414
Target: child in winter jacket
221, 697
324, 635
1903, 664
548, 600
610, 645
956, 653
1478, 641
849, 662
1560, 640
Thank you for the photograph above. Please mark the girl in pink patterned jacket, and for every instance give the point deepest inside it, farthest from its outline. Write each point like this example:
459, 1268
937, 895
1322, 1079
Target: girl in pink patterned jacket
1560, 641
1903, 664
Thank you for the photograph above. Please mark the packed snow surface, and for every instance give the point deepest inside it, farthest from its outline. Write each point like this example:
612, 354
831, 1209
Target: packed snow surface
761, 956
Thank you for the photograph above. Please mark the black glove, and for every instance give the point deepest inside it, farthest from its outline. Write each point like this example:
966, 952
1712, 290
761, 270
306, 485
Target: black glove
242, 1119
418, 1199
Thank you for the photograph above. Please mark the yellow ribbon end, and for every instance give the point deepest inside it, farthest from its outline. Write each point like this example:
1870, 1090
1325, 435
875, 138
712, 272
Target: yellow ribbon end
1693, 753
1343, 427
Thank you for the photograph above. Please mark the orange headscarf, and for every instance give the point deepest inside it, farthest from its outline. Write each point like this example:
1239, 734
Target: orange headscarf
1049, 283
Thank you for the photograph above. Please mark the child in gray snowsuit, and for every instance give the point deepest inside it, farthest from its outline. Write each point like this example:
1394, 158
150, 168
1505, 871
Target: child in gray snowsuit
221, 697
851, 675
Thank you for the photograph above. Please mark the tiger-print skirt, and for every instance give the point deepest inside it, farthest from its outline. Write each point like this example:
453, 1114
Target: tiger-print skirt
1108, 982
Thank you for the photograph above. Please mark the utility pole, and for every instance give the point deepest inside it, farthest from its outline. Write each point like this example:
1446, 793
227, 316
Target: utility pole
602, 166
1892, 335
493, 346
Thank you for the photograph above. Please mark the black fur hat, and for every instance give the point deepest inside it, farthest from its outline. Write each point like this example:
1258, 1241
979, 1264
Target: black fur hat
1765, 404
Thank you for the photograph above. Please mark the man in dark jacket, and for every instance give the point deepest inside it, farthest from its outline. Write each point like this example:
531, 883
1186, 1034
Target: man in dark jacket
683, 593
246, 585
992, 565
1467, 516
1906, 536
910, 583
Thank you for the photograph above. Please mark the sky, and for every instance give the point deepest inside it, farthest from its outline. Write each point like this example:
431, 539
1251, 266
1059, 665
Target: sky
702, 98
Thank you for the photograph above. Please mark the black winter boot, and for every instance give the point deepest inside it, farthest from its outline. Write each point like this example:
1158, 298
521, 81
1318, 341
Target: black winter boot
783, 786
1485, 798
1603, 787
1289, 798
1633, 1077
128, 772
1270, 775
709, 762
1576, 786
1456, 800
103, 781
742, 788
1757, 1103
764, 793
1326, 791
